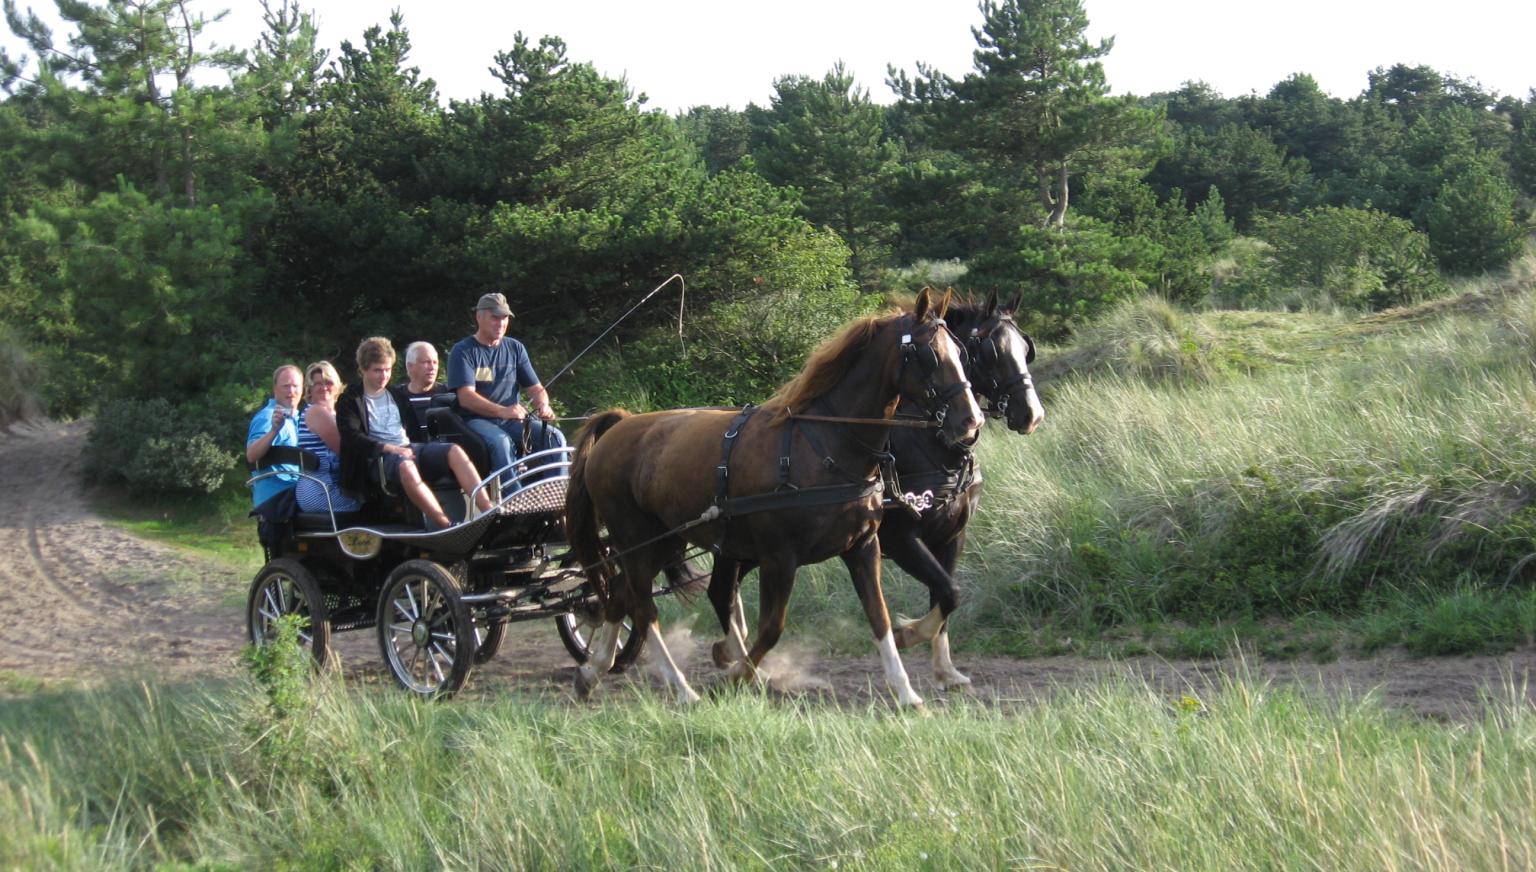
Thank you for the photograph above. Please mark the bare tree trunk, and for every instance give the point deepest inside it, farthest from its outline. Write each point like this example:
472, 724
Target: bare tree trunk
1058, 217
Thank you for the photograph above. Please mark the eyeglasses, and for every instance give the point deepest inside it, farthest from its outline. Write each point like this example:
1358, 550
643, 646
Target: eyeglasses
315, 383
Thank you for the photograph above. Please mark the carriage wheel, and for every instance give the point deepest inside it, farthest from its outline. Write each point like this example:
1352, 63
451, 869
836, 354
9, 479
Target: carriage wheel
285, 587
425, 630
488, 637
576, 634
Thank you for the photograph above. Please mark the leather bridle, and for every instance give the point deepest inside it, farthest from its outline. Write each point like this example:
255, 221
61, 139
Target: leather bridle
981, 349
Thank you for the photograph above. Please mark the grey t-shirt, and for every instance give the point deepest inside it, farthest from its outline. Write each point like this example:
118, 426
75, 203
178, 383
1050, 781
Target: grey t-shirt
384, 419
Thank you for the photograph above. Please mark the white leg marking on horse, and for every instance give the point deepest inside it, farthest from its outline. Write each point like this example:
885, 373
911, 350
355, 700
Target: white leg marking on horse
600, 653
896, 674
944, 670
738, 639
668, 667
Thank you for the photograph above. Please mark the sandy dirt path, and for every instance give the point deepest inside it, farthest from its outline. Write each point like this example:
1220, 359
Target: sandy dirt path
82, 599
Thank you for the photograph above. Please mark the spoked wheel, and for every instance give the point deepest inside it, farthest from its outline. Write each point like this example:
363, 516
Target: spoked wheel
425, 629
576, 629
488, 637
285, 587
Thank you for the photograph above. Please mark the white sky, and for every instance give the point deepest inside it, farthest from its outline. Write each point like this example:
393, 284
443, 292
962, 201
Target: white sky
684, 53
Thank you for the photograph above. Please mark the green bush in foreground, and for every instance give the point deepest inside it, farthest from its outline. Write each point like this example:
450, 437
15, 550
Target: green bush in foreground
1240, 777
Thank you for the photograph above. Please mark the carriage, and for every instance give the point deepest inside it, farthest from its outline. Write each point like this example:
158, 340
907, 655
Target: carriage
439, 601
793, 486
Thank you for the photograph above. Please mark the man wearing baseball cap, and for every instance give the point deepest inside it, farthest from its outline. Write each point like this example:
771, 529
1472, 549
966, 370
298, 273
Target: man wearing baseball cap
490, 371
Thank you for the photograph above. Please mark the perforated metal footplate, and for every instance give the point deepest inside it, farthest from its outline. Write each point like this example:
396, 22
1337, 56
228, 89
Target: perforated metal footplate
543, 496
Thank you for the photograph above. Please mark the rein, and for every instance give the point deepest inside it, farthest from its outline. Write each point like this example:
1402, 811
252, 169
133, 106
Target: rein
916, 424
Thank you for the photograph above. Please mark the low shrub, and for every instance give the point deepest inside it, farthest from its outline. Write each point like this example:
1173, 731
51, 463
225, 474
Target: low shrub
153, 446
1351, 258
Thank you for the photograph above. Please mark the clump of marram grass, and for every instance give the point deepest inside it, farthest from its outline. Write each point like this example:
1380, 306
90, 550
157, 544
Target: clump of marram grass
1147, 337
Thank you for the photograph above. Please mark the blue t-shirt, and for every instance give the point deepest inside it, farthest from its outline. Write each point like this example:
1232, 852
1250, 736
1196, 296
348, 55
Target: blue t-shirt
499, 374
267, 488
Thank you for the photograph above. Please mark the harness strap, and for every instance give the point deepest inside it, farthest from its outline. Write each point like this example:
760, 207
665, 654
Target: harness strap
784, 452
916, 424
727, 444
800, 498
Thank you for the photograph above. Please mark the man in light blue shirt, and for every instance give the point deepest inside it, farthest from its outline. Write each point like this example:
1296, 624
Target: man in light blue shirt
276, 424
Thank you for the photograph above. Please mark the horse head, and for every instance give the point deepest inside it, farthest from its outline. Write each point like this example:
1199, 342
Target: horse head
998, 355
932, 373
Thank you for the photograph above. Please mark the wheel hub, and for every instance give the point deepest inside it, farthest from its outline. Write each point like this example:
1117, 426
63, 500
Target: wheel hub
420, 633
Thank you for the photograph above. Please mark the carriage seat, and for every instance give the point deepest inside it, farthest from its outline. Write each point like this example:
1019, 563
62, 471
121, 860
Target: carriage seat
322, 520
445, 425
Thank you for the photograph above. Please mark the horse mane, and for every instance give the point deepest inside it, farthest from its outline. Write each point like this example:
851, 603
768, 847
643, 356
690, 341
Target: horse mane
826, 366
965, 314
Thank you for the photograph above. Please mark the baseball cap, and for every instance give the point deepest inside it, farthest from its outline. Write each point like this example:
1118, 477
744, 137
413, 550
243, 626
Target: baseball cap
496, 303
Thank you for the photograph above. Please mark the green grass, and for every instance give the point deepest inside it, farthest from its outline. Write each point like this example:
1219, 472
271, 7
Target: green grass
1244, 776
209, 526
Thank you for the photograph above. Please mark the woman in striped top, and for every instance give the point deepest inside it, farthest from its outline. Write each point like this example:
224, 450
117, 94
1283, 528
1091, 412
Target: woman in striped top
318, 434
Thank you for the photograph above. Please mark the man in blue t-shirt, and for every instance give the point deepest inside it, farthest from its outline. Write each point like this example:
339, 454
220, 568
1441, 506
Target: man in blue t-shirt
275, 424
490, 371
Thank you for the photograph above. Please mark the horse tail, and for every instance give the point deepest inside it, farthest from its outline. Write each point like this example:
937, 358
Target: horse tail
581, 524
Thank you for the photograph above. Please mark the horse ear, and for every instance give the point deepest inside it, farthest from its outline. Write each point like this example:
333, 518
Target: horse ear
991, 302
924, 303
1018, 300
944, 303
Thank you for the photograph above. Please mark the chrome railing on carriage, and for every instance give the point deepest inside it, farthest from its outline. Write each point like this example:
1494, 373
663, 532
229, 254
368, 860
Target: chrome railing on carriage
537, 484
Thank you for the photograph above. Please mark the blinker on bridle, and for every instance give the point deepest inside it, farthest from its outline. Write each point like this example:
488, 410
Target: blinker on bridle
927, 358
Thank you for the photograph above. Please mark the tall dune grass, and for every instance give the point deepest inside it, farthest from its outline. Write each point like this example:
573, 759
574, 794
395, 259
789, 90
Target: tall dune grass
1393, 457
1119, 776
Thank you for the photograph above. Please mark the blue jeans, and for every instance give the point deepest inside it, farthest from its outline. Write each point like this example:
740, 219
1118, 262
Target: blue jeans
503, 439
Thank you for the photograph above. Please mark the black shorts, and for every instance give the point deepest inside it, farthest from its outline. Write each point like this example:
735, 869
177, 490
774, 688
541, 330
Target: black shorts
431, 462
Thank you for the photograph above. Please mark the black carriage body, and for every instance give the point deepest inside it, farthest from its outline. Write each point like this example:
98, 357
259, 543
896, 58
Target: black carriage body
380, 569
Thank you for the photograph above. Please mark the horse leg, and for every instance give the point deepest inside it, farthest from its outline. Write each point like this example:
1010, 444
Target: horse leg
902, 544
775, 582
944, 671
605, 643
863, 562
643, 613
725, 596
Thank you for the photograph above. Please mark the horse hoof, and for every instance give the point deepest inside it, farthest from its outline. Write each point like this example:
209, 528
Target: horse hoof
584, 685
717, 654
743, 672
956, 682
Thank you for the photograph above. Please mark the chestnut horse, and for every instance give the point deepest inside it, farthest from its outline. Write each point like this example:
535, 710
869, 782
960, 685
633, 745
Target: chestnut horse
793, 484
941, 484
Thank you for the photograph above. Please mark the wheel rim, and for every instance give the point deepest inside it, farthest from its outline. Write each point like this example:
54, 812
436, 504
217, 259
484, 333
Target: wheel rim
279, 596
582, 622
422, 639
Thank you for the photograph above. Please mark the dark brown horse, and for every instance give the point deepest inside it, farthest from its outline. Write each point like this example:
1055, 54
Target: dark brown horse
940, 483
800, 483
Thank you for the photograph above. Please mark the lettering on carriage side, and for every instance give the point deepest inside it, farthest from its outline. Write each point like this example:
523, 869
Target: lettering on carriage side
359, 544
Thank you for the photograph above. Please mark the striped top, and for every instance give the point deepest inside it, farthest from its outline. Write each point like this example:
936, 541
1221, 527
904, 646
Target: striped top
310, 493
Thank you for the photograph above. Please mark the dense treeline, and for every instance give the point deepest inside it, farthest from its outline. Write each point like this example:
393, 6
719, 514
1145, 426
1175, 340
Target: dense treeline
169, 233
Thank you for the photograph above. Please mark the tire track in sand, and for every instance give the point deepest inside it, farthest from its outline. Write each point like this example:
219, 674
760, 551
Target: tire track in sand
80, 598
